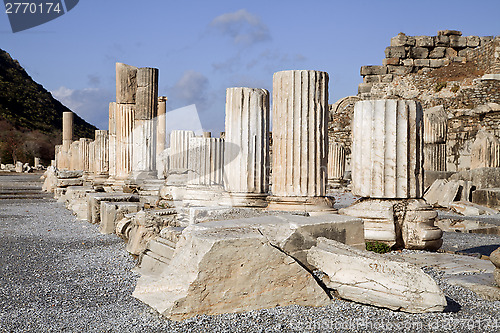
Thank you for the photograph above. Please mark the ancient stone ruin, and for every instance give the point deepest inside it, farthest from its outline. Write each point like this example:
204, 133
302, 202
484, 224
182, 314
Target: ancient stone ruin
247, 220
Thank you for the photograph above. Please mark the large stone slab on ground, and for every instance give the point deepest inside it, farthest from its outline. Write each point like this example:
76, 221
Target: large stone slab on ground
442, 192
217, 270
95, 199
471, 209
482, 284
375, 279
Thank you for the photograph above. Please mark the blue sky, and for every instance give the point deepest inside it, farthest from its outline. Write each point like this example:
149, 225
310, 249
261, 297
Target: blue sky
204, 47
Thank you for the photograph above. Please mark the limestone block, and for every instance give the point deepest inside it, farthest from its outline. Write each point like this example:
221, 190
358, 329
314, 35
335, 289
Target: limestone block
485, 40
451, 53
387, 145
489, 197
146, 104
424, 41
399, 70
126, 83
373, 279
419, 52
94, 203
449, 33
395, 52
373, 70
224, 271
390, 61
300, 140
65, 174
112, 212
403, 40
179, 149
407, 63
442, 40
485, 151
69, 182
437, 52
246, 151
442, 192
364, 88
458, 41
421, 62
435, 63
473, 41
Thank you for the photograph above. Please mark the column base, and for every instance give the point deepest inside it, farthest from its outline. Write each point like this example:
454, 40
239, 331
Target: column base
402, 223
245, 199
311, 205
202, 195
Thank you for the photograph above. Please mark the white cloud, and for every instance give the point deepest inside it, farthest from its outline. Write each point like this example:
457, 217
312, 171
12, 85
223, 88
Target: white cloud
191, 88
243, 27
92, 104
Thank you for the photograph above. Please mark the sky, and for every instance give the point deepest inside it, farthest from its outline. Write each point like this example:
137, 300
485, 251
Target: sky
203, 47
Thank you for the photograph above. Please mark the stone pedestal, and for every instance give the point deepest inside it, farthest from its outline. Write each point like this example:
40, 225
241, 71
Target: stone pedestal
300, 141
144, 134
435, 131
387, 159
124, 144
246, 153
336, 164
161, 133
112, 140
485, 151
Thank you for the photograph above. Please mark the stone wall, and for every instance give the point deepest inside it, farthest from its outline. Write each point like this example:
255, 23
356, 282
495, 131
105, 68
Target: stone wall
465, 81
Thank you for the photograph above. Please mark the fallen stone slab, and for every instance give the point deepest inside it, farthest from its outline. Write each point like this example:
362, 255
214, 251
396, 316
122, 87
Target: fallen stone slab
468, 226
471, 209
442, 192
215, 271
450, 264
76, 200
374, 279
95, 199
112, 212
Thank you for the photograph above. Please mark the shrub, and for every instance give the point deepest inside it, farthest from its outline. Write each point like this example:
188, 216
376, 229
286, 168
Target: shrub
439, 86
377, 247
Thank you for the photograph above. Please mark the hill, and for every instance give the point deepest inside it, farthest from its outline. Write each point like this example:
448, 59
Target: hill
30, 118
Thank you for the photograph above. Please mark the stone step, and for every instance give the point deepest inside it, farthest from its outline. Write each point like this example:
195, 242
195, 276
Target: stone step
161, 249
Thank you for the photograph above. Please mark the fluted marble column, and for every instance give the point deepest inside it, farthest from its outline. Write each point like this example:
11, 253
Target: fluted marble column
387, 149
300, 141
179, 150
124, 141
112, 140
336, 162
246, 153
485, 151
161, 136
144, 134
58, 156
435, 131
92, 158
206, 161
85, 154
101, 153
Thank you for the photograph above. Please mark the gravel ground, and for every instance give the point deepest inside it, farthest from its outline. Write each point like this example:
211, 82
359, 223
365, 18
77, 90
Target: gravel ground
60, 274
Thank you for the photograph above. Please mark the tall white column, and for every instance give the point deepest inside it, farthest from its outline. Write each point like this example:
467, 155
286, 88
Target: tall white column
300, 141
206, 161
179, 150
144, 134
67, 138
246, 153
124, 140
387, 159
112, 140
101, 153
161, 136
